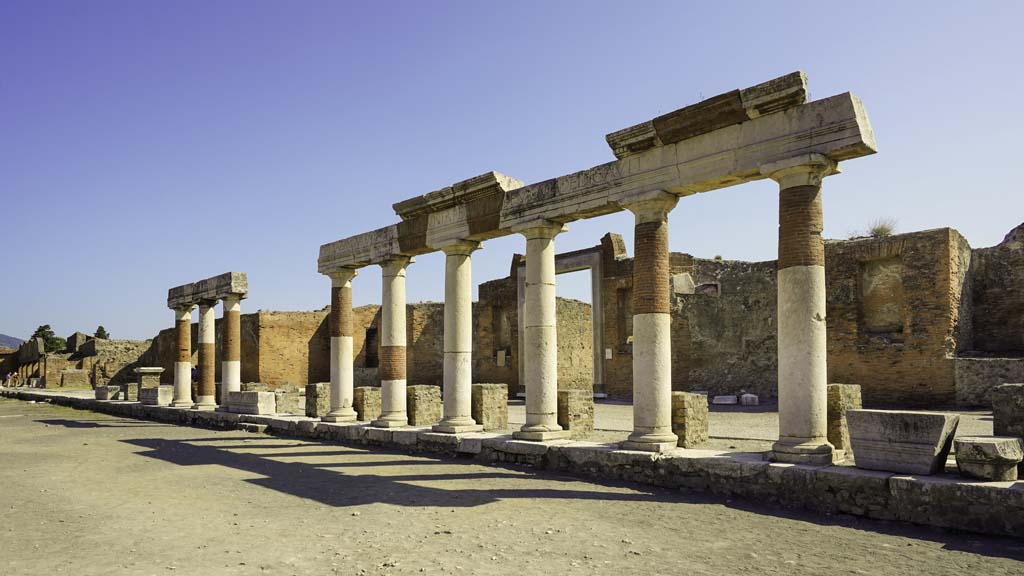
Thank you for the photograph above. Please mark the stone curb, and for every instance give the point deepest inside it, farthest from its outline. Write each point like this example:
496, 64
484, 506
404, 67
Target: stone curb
941, 501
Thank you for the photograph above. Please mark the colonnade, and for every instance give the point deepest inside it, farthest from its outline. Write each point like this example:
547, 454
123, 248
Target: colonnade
801, 331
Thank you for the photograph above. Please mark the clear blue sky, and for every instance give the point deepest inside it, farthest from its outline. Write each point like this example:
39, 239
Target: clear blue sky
148, 144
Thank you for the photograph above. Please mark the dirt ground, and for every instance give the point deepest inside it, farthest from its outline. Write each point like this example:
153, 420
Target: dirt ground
84, 493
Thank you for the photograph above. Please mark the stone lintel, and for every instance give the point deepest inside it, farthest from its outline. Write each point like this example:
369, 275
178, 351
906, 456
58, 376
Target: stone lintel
708, 115
486, 184
372, 247
211, 289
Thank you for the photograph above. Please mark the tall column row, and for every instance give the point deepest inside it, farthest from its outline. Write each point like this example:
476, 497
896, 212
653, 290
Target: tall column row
392, 349
231, 353
340, 330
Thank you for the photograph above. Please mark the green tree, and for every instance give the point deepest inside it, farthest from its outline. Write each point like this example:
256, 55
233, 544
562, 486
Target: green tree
101, 333
51, 342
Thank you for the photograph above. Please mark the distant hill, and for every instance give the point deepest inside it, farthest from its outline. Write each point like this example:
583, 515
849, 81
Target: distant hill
10, 341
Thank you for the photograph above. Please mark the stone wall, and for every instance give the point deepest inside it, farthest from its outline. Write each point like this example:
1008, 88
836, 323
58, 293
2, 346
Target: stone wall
976, 377
999, 296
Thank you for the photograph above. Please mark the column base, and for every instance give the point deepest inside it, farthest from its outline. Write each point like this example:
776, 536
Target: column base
341, 415
444, 428
814, 452
540, 435
181, 404
651, 441
391, 422
205, 407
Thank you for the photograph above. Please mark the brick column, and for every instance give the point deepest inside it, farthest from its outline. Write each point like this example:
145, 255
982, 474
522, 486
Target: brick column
540, 349
231, 356
206, 398
392, 349
458, 340
340, 328
183, 365
652, 345
803, 381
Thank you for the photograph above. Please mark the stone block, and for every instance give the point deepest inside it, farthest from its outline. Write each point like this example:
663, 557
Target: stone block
159, 396
1008, 410
841, 397
74, 379
725, 400
290, 402
423, 404
989, 457
901, 441
148, 377
108, 392
576, 412
252, 403
749, 400
318, 399
254, 387
489, 406
130, 392
366, 402
690, 418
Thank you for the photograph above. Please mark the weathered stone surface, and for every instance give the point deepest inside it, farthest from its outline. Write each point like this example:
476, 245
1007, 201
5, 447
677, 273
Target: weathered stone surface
725, 399
989, 457
366, 402
424, 405
489, 405
74, 379
901, 441
159, 396
108, 392
690, 418
214, 288
749, 400
998, 275
318, 399
576, 412
1008, 410
290, 400
75, 341
130, 392
252, 402
977, 377
841, 397
148, 376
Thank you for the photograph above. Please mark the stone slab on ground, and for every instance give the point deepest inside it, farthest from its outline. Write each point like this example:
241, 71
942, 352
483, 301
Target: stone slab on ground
108, 392
900, 440
576, 412
252, 402
318, 399
841, 397
489, 405
366, 402
424, 404
690, 418
1008, 410
993, 458
159, 396
725, 400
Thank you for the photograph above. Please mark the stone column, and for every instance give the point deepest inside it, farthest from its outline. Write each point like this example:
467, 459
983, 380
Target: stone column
458, 340
206, 398
652, 319
231, 356
392, 350
340, 328
803, 380
540, 350
183, 366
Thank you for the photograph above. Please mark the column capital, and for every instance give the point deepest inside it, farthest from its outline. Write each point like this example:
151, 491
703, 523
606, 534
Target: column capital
208, 303
802, 170
183, 309
459, 247
540, 228
396, 265
341, 276
231, 298
650, 206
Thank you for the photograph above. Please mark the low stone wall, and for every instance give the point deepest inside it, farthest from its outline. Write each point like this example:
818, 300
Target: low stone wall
976, 377
943, 501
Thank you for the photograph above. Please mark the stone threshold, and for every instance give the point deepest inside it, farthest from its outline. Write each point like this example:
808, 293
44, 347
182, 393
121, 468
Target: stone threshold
943, 501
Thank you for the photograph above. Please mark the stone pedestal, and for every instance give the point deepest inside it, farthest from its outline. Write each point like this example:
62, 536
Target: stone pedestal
906, 442
318, 401
148, 377
690, 418
458, 340
576, 412
159, 396
490, 406
803, 437
392, 350
183, 366
340, 329
841, 397
130, 392
992, 458
652, 348
424, 405
366, 402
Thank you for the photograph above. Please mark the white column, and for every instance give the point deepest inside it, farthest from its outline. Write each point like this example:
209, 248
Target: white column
541, 346
803, 374
340, 327
206, 398
458, 340
393, 345
183, 363
652, 321
231, 365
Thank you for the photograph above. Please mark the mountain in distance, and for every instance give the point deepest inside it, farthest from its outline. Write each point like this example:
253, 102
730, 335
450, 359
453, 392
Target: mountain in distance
10, 342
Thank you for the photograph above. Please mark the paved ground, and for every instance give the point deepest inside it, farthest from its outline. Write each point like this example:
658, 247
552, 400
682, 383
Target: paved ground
84, 493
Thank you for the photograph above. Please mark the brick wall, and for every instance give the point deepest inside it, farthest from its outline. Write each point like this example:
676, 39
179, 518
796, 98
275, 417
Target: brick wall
998, 296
